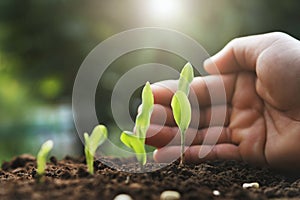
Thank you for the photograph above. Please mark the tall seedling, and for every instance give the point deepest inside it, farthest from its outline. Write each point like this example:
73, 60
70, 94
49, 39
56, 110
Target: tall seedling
181, 106
136, 141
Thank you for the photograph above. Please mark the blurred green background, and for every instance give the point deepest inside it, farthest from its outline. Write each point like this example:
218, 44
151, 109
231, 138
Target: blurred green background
43, 43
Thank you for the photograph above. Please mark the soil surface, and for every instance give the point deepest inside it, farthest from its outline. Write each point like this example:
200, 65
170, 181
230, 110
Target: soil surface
68, 179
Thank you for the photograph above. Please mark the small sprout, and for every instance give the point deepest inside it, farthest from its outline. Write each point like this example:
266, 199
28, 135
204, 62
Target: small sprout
181, 106
250, 185
92, 142
42, 157
136, 141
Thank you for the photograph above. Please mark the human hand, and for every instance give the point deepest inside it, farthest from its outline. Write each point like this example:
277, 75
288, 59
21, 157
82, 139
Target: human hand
261, 78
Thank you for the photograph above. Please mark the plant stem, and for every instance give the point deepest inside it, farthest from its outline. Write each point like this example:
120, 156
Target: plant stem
182, 146
90, 163
141, 167
91, 170
40, 178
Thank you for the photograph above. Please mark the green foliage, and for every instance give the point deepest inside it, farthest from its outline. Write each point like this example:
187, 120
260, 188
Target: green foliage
137, 141
181, 110
136, 144
92, 142
180, 104
186, 77
42, 156
143, 119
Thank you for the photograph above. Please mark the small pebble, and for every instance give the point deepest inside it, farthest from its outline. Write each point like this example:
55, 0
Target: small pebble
170, 195
123, 197
135, 186
216, 193
250, 185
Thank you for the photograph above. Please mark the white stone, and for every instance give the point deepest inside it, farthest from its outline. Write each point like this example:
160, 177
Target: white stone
170, 195
123, 197
216, 193
250, 185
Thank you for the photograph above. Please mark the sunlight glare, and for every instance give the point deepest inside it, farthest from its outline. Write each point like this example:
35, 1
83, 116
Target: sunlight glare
164, 7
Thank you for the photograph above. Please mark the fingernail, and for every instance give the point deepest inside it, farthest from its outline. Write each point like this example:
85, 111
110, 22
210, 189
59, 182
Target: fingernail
208, 62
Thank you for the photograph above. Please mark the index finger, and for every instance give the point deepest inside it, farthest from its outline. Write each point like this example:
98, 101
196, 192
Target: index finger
205, 91
242, 53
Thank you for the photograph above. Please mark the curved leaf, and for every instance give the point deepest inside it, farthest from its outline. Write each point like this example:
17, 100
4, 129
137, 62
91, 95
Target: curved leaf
98, 136
42, 156
136, 144
181, 110
142, 121
186, 77
136, 141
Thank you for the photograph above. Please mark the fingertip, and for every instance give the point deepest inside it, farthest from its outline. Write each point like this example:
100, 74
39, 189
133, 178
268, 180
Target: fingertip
207, 64
154, 86
210, 66
166, 154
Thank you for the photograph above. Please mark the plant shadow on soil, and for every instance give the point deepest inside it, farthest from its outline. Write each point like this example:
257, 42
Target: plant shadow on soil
69, 179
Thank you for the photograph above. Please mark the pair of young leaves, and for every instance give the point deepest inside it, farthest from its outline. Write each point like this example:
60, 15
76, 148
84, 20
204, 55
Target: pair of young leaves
181, 110
92, 142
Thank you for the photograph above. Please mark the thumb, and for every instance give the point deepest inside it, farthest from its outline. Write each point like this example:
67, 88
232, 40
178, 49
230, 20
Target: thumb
241, 53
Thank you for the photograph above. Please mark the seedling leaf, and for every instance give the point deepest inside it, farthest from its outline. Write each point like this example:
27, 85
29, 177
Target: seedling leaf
97, 137
142, 121
135, 143
42, 156
186, 77
92, 142
181, 110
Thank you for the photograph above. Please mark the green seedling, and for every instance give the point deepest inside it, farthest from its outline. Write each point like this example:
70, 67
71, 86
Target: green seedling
136, 141
42, 157
181, 106
186, 77
92, 142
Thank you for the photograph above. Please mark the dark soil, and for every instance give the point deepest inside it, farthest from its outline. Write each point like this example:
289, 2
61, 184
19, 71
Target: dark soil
68, 179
